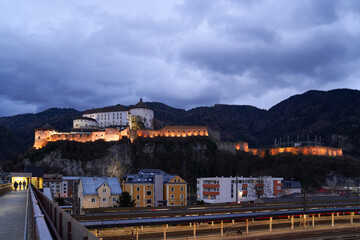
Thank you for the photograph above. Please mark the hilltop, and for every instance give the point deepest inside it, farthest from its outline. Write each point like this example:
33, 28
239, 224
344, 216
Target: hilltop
334, 115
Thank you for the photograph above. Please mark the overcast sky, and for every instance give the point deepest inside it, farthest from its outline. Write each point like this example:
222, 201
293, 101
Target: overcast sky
85, 54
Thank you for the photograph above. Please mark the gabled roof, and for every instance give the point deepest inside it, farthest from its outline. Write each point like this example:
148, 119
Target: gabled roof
46, 127
140, 104
91, 184
116, 108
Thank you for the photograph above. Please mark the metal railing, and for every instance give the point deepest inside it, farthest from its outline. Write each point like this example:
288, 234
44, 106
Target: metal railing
60, 224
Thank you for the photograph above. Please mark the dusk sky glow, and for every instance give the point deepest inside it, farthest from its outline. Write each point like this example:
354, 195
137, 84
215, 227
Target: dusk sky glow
84, 54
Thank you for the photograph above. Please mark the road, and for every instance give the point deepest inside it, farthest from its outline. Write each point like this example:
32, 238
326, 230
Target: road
12, 215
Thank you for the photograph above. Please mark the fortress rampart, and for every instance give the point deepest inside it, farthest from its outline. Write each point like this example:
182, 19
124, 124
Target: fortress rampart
303, 150
45, 135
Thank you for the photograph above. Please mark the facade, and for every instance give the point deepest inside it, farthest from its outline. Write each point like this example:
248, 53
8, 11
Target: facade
153, 187
58, 187
108, 116
241, 189
98, 192
291, 187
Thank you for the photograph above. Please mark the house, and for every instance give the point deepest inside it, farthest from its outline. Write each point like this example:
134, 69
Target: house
98, 192
153, 187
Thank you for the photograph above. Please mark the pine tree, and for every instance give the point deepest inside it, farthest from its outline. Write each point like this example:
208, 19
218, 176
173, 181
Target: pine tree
125, 200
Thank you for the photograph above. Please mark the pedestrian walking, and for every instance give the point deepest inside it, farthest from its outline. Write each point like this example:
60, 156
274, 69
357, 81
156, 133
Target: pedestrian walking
24, 184
15, 185
20, 185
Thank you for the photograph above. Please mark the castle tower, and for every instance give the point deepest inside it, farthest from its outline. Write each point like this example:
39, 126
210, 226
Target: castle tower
43, 136
143, 113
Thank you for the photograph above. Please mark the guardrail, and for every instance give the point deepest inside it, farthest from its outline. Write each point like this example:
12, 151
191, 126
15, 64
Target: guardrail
61, 224
40, 230
4, 188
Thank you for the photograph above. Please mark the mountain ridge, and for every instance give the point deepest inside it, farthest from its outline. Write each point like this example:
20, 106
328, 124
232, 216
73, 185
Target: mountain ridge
333, 114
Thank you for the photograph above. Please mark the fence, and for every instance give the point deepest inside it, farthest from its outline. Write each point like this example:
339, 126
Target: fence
61, 224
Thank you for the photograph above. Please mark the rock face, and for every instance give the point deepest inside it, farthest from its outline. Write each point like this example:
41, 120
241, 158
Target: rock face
115, 163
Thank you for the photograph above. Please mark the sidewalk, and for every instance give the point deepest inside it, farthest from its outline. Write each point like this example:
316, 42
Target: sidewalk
12, 215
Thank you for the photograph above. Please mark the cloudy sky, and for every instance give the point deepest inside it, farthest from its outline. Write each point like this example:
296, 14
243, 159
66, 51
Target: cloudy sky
85, 54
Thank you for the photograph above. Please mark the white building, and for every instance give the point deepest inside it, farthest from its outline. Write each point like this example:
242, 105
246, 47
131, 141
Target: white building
58, 187
241, 189
85, 123
115, 116
108, 116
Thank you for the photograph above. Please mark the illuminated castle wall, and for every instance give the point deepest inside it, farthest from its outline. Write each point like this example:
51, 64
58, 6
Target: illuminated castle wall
303, 150
48, 134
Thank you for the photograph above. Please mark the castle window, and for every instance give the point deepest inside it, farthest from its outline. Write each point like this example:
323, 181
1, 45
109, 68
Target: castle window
39, 137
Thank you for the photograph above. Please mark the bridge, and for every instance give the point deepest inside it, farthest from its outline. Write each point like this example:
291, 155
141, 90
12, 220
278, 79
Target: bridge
29, 214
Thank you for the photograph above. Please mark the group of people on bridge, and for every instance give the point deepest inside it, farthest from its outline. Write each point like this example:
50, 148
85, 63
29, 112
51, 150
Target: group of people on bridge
24, 184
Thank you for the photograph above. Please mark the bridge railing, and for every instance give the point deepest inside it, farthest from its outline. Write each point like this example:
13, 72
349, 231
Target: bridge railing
61, 224
35, 218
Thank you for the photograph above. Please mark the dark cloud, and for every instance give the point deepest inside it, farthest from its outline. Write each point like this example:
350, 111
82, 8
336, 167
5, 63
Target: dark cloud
184, 53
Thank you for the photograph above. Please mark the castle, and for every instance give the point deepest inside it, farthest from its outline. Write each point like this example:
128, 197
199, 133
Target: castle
116, 122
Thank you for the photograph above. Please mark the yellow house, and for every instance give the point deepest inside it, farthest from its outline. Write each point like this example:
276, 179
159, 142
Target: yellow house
153, 187
98, 192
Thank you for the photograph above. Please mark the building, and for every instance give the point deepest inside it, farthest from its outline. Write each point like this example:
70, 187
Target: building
291, 187
153, 187
98, 192
237, 189
116, 116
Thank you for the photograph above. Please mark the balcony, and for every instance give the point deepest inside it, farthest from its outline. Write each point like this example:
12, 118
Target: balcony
211, 193
211, 185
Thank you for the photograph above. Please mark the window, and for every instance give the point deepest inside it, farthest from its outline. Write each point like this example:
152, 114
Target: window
182, 189
148, 201
172, 196
93, 200
172, 189
104, 199
138, 189
172, 204
182, 196
138, 197
148, 193
114, 199
182, 204
104, 190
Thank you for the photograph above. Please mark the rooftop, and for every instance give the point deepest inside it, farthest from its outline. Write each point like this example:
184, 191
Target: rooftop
91, 184
140, 104
116, 108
